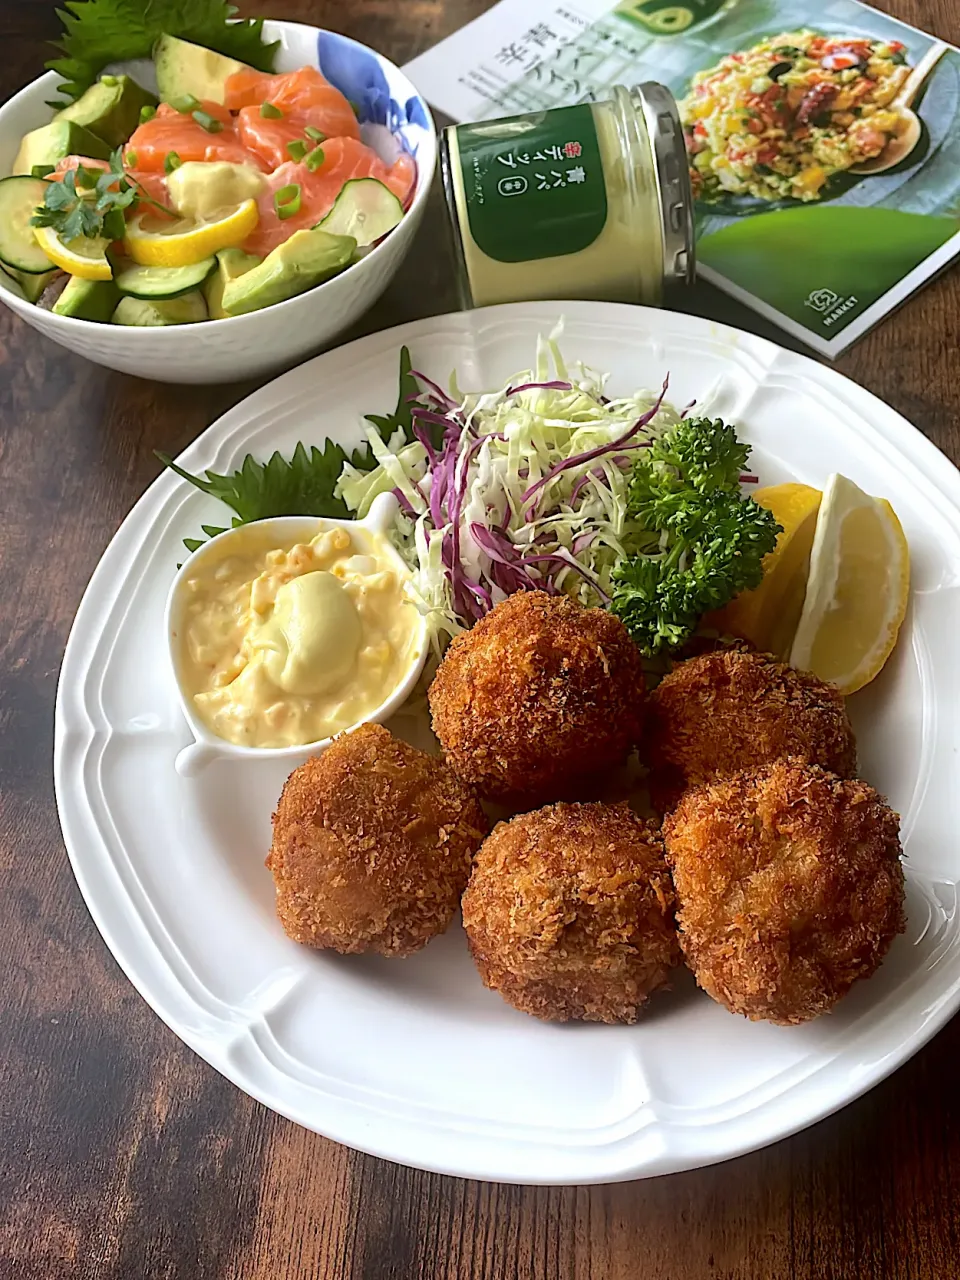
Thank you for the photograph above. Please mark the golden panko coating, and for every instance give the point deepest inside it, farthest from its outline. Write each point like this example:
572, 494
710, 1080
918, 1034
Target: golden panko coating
372, 845
789, 888
569, 913
732, 710
539, 699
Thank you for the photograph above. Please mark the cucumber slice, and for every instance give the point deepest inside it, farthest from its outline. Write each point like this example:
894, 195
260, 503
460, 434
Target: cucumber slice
364, 209
19, 200
164, 282
189, 308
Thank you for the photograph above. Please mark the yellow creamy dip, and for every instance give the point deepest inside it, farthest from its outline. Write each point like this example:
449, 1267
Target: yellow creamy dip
280, 647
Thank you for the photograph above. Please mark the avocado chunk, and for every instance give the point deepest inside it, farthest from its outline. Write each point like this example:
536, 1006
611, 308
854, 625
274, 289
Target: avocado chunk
88, 300
306, 259
110, 108
138, 312
231, 264
184, 68
55, 140
31, 286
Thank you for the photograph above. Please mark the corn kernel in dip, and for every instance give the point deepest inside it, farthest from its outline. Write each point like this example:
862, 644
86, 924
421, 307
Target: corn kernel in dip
283, 646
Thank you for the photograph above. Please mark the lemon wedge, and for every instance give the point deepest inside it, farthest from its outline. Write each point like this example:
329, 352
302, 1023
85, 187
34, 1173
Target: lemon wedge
857, 590
151, 242
768, 616
84, 257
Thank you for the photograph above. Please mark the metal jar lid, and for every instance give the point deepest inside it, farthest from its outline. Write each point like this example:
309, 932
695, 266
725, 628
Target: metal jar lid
658, 107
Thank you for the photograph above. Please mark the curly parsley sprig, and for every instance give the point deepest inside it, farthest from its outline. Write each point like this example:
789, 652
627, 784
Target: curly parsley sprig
697, 541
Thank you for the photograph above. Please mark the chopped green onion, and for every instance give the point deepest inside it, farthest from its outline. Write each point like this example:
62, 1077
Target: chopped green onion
147, 113
297, 149
286, 201
131, 159
186, 104
208, 122
109, 80
314, 134
354, 107
42, 170
269, 112
171, 161
314, 159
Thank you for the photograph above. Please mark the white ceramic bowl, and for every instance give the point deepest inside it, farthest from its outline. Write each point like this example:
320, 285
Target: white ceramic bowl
285, 531
251, 345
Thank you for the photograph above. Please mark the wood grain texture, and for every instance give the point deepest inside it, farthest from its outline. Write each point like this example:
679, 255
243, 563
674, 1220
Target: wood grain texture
124, 1157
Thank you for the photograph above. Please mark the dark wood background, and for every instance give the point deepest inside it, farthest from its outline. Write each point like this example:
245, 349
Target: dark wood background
122, 1155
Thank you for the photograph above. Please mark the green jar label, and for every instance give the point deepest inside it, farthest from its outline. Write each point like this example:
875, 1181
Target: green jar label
534, 184
664, 18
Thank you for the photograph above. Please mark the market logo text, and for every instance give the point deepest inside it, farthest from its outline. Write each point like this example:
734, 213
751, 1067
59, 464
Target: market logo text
830, 305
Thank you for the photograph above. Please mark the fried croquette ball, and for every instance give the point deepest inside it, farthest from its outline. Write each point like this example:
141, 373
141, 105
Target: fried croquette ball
372, 846
539, 699
789, 888
569, 913
732, 710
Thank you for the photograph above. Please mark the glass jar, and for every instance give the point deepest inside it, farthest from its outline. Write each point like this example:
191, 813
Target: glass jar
589, 201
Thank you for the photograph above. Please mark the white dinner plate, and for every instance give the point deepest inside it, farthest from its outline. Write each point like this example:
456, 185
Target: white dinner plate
414, 1060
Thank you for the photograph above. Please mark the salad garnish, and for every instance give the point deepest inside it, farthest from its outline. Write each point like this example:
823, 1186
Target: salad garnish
547, 484
521, 488
304, 484
696, 540
301, 485
99, 32
90, 202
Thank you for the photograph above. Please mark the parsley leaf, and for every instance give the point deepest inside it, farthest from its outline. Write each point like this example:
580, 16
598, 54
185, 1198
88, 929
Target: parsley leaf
90, 202
98, 32
697, 541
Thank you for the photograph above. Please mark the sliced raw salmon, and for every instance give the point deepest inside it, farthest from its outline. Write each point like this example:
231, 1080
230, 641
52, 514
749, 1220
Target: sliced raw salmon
305, 92
343, 159
268, 138
172, 130
74, 162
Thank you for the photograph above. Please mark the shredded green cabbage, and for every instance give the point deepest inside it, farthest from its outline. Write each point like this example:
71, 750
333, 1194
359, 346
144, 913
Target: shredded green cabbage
528, 488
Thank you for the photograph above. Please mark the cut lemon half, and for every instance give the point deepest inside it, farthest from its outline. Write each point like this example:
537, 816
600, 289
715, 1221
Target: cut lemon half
857, 590
151, 242
84, 257
768, 616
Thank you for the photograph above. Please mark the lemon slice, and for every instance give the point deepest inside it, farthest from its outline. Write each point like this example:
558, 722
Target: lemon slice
154, 243
768, 616
857, 590
84, 257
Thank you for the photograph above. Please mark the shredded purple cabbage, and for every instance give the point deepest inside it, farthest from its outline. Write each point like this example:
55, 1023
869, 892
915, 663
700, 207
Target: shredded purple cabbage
405, 505
438, 391
508, 567
579, 459
539, 386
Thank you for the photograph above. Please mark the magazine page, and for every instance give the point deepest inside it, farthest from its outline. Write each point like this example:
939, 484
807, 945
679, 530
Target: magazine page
824, 136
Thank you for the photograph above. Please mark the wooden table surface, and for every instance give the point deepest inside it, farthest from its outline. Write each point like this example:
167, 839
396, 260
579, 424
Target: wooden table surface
122, 1155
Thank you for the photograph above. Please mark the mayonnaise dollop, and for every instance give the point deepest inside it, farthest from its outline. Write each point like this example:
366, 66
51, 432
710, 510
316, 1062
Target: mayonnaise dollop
311, 640
202, 188
283, 646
